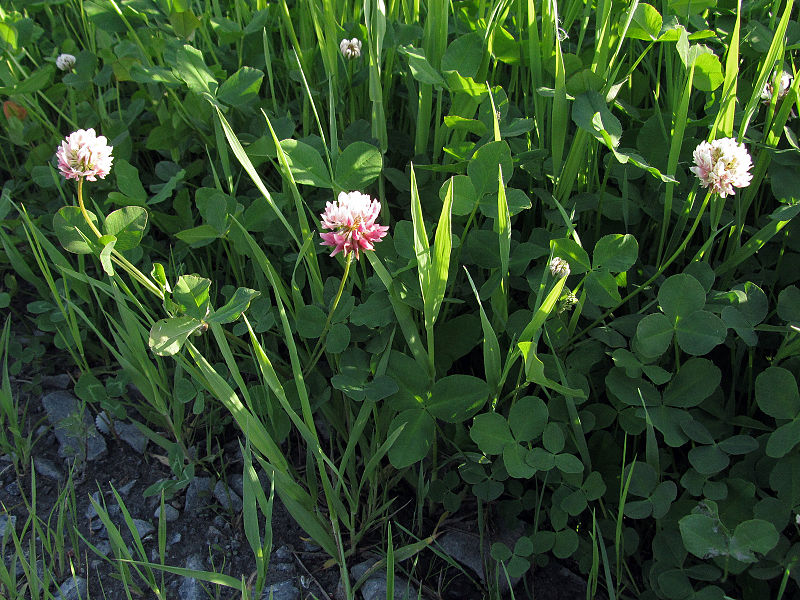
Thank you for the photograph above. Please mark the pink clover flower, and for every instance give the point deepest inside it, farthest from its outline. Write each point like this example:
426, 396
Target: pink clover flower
351, 221
84, 154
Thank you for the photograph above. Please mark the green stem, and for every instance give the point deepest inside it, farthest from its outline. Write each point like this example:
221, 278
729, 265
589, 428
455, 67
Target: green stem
317, 352
116, 256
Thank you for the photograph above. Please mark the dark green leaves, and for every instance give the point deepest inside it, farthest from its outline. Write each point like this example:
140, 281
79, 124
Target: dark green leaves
682, 299
305, 163
72, 230
358, 166
192, 69
241, 88
705, 536
616, 252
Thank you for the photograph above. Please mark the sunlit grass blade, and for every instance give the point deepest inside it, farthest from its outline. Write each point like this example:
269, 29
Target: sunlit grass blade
440, 267
308, 253
253, 496
246, 163
680, 116
297, 500
375, 18
491, 347
559, 111
534, 327
728, 109
403, 314
502, 226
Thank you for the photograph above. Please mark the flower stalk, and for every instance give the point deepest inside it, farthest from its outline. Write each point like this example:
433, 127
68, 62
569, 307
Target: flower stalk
318, 348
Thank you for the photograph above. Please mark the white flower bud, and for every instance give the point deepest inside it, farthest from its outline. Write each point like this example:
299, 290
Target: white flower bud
350, 48
65, 62
559, 267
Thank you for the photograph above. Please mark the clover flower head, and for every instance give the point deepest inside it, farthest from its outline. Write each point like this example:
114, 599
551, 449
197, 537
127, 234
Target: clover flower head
84, 154
722, 165
351, 221
783, 84
350, 48
569, 301
65, 61
559, 267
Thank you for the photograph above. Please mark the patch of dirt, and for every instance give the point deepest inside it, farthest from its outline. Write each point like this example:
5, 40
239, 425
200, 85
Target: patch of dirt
211, 532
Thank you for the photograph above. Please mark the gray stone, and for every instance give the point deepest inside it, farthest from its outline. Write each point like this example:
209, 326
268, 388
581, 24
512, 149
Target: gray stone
197, 494
170, 513
143, 528
213, 535
236, 483
12, 489
58, 382
46, 468
229, 500
5, 521
129, 433
103, 547
126, 489
77, 435
283, 554
73, 588
465, 548
311, 546
374, 588
91, 513
190, 588
175, 539
285, 590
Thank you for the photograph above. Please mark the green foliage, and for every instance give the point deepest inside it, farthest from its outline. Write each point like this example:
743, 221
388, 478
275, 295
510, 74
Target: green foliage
652, 389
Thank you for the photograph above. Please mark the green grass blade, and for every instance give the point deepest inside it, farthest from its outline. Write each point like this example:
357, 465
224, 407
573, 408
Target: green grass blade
491, 347
403, 314
244, 160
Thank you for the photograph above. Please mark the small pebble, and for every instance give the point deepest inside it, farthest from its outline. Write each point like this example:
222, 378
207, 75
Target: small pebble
143, 528
73, 588
47, 468
229, 500
170, 513
126, 489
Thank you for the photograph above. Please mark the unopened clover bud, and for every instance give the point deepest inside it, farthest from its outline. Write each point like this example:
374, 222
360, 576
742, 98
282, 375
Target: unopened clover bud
65, 62
350, 48
559, 267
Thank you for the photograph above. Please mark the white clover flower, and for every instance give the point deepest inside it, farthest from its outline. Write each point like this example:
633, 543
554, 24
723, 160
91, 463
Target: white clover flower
722, 165
569, 301
65, 62
83, 153
783, 87
350, 48
559, 267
